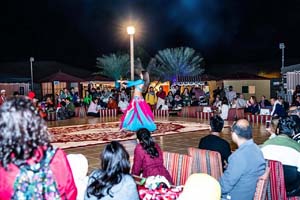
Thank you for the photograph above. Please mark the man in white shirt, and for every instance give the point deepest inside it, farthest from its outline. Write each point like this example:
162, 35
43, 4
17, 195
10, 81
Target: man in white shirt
230, 94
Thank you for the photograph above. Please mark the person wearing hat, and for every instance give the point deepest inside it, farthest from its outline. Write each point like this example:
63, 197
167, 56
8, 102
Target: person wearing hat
2, 97
245, 165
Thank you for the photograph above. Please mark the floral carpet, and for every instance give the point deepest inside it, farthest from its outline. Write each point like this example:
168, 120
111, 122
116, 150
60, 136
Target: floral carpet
89, 134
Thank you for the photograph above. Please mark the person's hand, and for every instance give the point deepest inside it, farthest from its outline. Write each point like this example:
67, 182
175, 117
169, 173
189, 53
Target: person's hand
269, 131
124, 85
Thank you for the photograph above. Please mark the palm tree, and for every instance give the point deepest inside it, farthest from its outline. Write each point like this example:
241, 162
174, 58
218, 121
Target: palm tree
115, 66
150, 68
183, 61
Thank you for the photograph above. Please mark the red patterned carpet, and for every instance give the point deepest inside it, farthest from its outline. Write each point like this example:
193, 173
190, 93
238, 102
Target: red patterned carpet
89, 134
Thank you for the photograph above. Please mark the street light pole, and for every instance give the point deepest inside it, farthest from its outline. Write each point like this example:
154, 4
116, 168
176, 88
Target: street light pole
131, 32
31, 71
282, 46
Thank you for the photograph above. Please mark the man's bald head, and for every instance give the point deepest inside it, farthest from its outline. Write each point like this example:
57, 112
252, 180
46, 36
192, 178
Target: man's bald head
243, 129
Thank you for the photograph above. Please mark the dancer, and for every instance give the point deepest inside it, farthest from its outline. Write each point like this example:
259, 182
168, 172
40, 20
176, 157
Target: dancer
138, 114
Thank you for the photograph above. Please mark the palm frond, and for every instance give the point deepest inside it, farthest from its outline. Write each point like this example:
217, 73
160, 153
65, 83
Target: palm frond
173, 62
115, 66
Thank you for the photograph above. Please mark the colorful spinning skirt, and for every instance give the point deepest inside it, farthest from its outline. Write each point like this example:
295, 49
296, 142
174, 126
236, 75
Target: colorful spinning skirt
138, 115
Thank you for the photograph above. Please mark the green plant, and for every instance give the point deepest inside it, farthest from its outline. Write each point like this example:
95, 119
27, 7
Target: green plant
173, 62
115, 66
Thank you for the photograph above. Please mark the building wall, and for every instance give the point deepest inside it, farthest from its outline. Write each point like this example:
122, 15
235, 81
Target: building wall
262, 87
14, 87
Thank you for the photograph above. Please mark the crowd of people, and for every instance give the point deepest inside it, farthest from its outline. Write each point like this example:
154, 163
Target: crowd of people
275, 106
25, 147
30, 167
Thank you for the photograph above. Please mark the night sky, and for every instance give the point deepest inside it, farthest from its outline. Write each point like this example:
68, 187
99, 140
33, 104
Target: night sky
77, 31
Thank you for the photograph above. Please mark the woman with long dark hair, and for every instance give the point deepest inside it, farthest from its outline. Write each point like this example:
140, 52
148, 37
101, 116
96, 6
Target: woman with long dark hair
25, 146
138, 114
113, 180
148, 157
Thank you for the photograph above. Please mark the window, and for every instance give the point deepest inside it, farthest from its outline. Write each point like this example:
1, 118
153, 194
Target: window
46, 88
245, 89
251, 89
58, 86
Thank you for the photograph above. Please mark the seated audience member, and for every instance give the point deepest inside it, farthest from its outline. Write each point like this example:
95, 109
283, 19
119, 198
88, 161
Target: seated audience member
40, 107
79, 165
123, 104
245, 165
294, 113
297, 101
87, 99
241, 102
124, 95
234, 103
264, 103
112, 180
111, 104
201, 186
25, 147
186, 98
148, 157
49, 104
217, 103
224, 109
296, 93
62, 112
177, 101
170, 99
194, 101
76, 99
277, 108
284, 103
287, 151
271, 127
93, 108
70, 107
252, 106
213, 141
